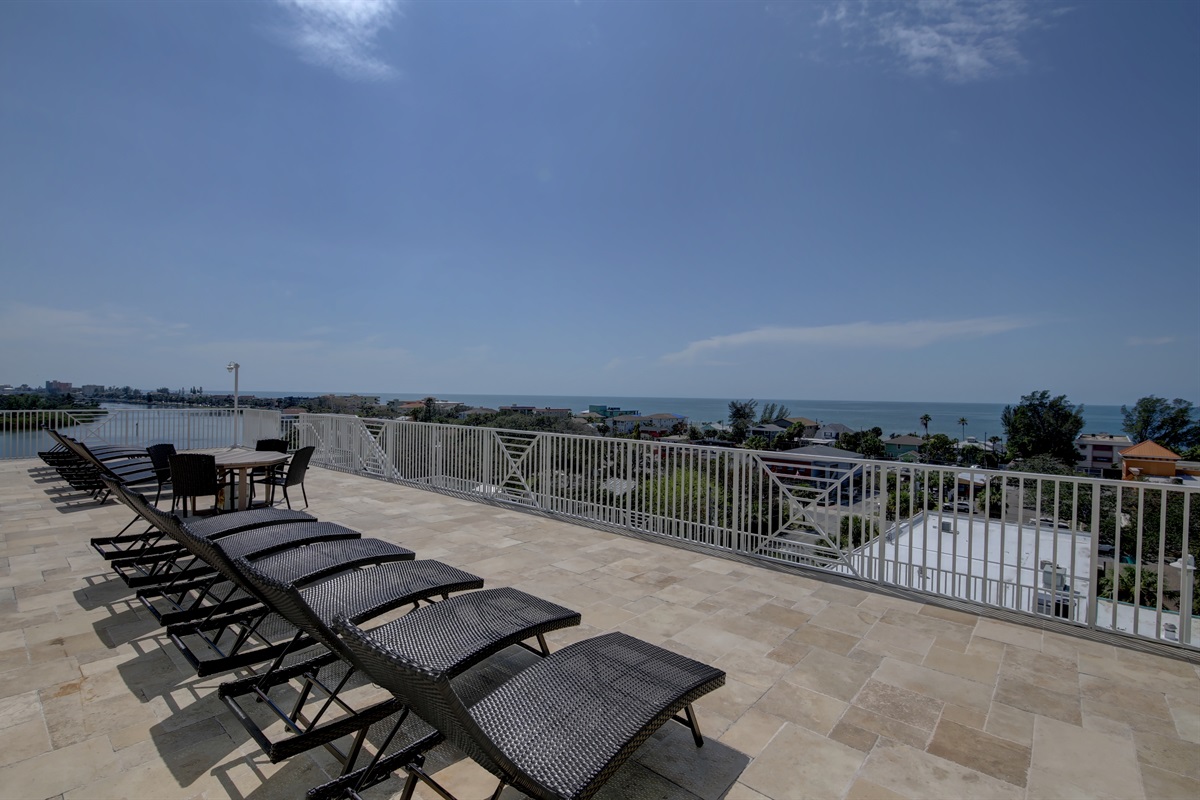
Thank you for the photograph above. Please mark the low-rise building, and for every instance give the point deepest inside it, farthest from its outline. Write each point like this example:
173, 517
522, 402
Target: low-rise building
827, 467
1147, 460
768, 430
830, 432
1100, 451
655, 425
534, 411
612, 411
346, 403
899, 446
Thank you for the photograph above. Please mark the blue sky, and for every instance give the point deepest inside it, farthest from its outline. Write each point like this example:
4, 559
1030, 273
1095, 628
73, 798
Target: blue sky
931, 201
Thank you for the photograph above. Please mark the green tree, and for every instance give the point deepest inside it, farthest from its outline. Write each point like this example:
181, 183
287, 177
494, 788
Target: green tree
741, 417
855, 531
939, 449
757, 443
925, 420
1170, 424
963, 422
971, 455
865, 443
772, 412
991, 499
1043, 494
1128, 588
791, 437
1042, 425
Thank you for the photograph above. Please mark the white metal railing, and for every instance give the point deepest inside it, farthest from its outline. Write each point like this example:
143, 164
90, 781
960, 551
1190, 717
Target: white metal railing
23, 434
1102, 554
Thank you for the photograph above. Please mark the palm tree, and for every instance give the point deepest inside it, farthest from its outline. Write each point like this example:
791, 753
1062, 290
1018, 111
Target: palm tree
925, 420
963, 421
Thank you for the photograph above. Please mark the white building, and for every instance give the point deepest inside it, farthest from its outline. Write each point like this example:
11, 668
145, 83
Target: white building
1100, 451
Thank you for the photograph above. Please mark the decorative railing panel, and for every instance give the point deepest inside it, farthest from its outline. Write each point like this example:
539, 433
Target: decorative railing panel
1102, 554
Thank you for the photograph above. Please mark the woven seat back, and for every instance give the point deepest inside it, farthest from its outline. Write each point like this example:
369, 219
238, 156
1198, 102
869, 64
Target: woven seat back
271, 446
160, 458
194, 475
286, 601
428, 693
298, 466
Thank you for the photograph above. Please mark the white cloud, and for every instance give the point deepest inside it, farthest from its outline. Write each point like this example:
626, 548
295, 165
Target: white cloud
340, 34
1153, 341
957, 40
892, 335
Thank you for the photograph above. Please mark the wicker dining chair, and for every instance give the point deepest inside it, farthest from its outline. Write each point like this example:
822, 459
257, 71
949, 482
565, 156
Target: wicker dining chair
194, 475
160, 458
294, 476
265, 474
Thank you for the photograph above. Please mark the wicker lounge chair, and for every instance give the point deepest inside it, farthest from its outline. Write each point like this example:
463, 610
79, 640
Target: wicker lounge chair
560, 728
288, 553
458, 632
86, 471
151, 558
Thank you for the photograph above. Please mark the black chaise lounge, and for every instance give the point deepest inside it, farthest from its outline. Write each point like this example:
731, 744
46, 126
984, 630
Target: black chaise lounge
559, 729
156, 557
85, 471
457, 633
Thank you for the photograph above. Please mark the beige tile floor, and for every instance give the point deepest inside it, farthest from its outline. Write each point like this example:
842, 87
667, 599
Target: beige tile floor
832, 692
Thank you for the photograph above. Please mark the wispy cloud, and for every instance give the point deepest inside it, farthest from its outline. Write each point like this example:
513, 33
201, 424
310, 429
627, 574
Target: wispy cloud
340, 34
893, 335
957, 40
1149, 341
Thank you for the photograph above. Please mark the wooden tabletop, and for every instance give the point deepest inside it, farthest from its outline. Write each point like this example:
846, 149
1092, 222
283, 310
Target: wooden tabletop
240, 458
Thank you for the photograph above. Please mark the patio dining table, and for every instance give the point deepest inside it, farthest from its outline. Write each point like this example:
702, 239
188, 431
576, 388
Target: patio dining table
242, 461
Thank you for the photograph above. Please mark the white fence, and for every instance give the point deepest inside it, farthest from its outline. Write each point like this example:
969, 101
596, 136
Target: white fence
1101, 554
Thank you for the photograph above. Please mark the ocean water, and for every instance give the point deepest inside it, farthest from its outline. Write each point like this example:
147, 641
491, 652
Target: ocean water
983, 419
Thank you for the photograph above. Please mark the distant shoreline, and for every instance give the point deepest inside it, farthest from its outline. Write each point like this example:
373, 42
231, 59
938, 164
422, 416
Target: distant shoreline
892, 416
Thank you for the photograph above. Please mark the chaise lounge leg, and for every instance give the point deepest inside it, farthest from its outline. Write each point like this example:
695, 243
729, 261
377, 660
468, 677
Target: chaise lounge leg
693, 724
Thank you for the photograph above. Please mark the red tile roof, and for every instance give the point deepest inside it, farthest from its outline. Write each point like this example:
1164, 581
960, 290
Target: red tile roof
1148, 449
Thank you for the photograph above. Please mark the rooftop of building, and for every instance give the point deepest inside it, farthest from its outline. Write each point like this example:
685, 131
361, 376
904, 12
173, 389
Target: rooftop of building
1149, 450
834, 690
1103, 438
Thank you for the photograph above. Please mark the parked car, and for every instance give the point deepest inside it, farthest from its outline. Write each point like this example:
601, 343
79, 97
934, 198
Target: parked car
961, 508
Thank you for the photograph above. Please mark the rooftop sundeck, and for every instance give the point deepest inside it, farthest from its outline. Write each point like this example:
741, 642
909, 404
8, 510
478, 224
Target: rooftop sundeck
834, 690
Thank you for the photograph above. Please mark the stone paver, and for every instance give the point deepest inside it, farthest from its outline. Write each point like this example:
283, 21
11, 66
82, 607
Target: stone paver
833, 691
